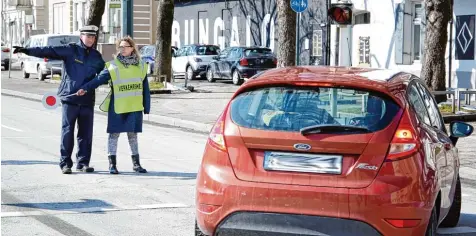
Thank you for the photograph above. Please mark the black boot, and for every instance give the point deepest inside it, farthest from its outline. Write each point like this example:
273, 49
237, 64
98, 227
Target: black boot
136, 163
112, 164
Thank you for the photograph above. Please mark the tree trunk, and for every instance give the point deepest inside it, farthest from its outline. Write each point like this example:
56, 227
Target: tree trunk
95, 16
438, 15
286, 50
163, 51
95, 12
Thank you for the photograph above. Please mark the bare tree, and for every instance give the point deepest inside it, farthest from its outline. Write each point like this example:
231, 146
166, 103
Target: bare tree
286, 52
95, 12
163, 52
257, 10
438, 15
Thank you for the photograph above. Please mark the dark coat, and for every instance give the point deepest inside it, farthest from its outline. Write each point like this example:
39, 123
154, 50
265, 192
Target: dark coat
80, 66
127, 122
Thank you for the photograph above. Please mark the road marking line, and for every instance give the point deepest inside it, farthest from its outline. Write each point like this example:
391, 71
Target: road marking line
163, 205
21, 213
465, 195
457, 230
91, 210
11, 128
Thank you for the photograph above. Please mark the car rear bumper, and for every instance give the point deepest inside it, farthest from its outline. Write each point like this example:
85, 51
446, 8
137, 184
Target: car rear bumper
271, 224
47, 69
226, 205
247, 73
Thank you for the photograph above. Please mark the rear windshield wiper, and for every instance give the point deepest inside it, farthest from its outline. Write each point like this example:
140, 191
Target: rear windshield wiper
331, 128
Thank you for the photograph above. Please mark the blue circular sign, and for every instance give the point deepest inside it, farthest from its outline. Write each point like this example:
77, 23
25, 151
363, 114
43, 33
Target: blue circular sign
299, 5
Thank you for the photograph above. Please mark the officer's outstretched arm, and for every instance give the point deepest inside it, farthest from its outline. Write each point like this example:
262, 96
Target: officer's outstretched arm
57, 52
99, 80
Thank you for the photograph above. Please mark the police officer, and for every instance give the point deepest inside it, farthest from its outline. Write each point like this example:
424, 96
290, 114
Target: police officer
81, 64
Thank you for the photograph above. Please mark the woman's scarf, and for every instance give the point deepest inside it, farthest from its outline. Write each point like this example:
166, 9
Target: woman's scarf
128, 60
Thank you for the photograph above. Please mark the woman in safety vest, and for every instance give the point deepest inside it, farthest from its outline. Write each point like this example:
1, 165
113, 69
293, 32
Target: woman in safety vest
128, 99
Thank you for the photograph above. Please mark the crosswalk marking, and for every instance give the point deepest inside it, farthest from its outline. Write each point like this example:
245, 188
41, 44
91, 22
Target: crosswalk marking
457, 230
91, 210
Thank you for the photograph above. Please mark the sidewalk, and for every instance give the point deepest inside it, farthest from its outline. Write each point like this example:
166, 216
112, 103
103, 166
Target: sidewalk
196, 111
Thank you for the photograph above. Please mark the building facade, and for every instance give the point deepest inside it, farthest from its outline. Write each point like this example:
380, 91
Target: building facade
392, 35
22, 18
232, 23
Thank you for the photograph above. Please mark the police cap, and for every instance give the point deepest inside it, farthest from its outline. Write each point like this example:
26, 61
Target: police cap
89, 30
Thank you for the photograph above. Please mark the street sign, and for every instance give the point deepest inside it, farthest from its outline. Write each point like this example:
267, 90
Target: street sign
50, 101
299, 5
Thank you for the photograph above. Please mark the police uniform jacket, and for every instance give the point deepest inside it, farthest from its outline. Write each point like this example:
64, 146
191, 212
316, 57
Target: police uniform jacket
80, 65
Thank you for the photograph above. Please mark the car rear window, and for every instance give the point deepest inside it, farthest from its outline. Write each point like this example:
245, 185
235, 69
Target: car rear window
293, 108
62, 40
258, 52
208, 50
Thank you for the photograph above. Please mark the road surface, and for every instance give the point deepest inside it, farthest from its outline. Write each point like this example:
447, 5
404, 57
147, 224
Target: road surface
38, 200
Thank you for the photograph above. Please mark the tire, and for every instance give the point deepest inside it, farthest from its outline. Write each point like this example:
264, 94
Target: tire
25, 75
210, 77
189, 73
41, 76
237, 80
452, 219
432, 223
6, 66
198, 232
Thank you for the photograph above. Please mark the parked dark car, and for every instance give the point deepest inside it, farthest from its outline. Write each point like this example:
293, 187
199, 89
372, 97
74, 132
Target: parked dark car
148, 56
240, 63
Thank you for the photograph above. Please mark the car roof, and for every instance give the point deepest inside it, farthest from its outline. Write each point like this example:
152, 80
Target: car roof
334, 74
52, 35
383, 80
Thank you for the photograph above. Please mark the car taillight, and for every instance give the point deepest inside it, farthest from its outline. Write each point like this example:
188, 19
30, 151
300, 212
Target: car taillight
216, 137
401, 223
45, 59
404, 142
275, 61
243, 62
6, 50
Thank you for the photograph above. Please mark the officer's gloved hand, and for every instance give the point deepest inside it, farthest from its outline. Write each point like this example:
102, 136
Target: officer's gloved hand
18, 49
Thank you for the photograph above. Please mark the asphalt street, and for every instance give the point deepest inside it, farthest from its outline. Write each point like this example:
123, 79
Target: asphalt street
38, 200
35, 193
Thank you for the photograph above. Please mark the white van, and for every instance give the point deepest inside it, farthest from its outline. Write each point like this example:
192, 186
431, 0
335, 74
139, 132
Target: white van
44, 66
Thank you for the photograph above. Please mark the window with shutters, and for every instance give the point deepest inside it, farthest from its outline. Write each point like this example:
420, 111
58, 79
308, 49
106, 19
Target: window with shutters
317, 43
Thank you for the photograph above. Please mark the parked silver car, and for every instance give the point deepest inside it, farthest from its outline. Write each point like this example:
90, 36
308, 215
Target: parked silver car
44, 66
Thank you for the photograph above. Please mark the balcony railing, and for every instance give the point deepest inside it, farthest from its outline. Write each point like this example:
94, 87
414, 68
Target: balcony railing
20, 3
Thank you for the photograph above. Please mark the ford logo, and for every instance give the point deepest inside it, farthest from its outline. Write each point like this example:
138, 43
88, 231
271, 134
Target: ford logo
302, 146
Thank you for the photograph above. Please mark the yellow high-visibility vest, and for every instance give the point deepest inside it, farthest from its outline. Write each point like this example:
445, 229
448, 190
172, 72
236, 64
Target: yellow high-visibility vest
126, 87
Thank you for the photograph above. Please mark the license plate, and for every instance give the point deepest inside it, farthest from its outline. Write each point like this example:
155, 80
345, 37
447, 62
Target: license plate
303, 162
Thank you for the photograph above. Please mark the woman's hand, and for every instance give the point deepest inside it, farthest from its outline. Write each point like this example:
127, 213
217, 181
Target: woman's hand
81, 92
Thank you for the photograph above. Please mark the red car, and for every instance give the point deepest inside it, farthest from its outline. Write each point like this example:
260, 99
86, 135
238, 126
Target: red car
330, 151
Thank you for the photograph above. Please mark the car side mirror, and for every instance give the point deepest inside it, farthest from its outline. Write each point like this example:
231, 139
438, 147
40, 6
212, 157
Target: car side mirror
460, 129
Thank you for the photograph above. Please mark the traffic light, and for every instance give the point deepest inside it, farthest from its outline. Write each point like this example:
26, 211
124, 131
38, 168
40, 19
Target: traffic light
340, 13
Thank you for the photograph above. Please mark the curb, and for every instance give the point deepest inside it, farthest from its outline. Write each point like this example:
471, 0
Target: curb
148, 119
105, 89
465, 118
